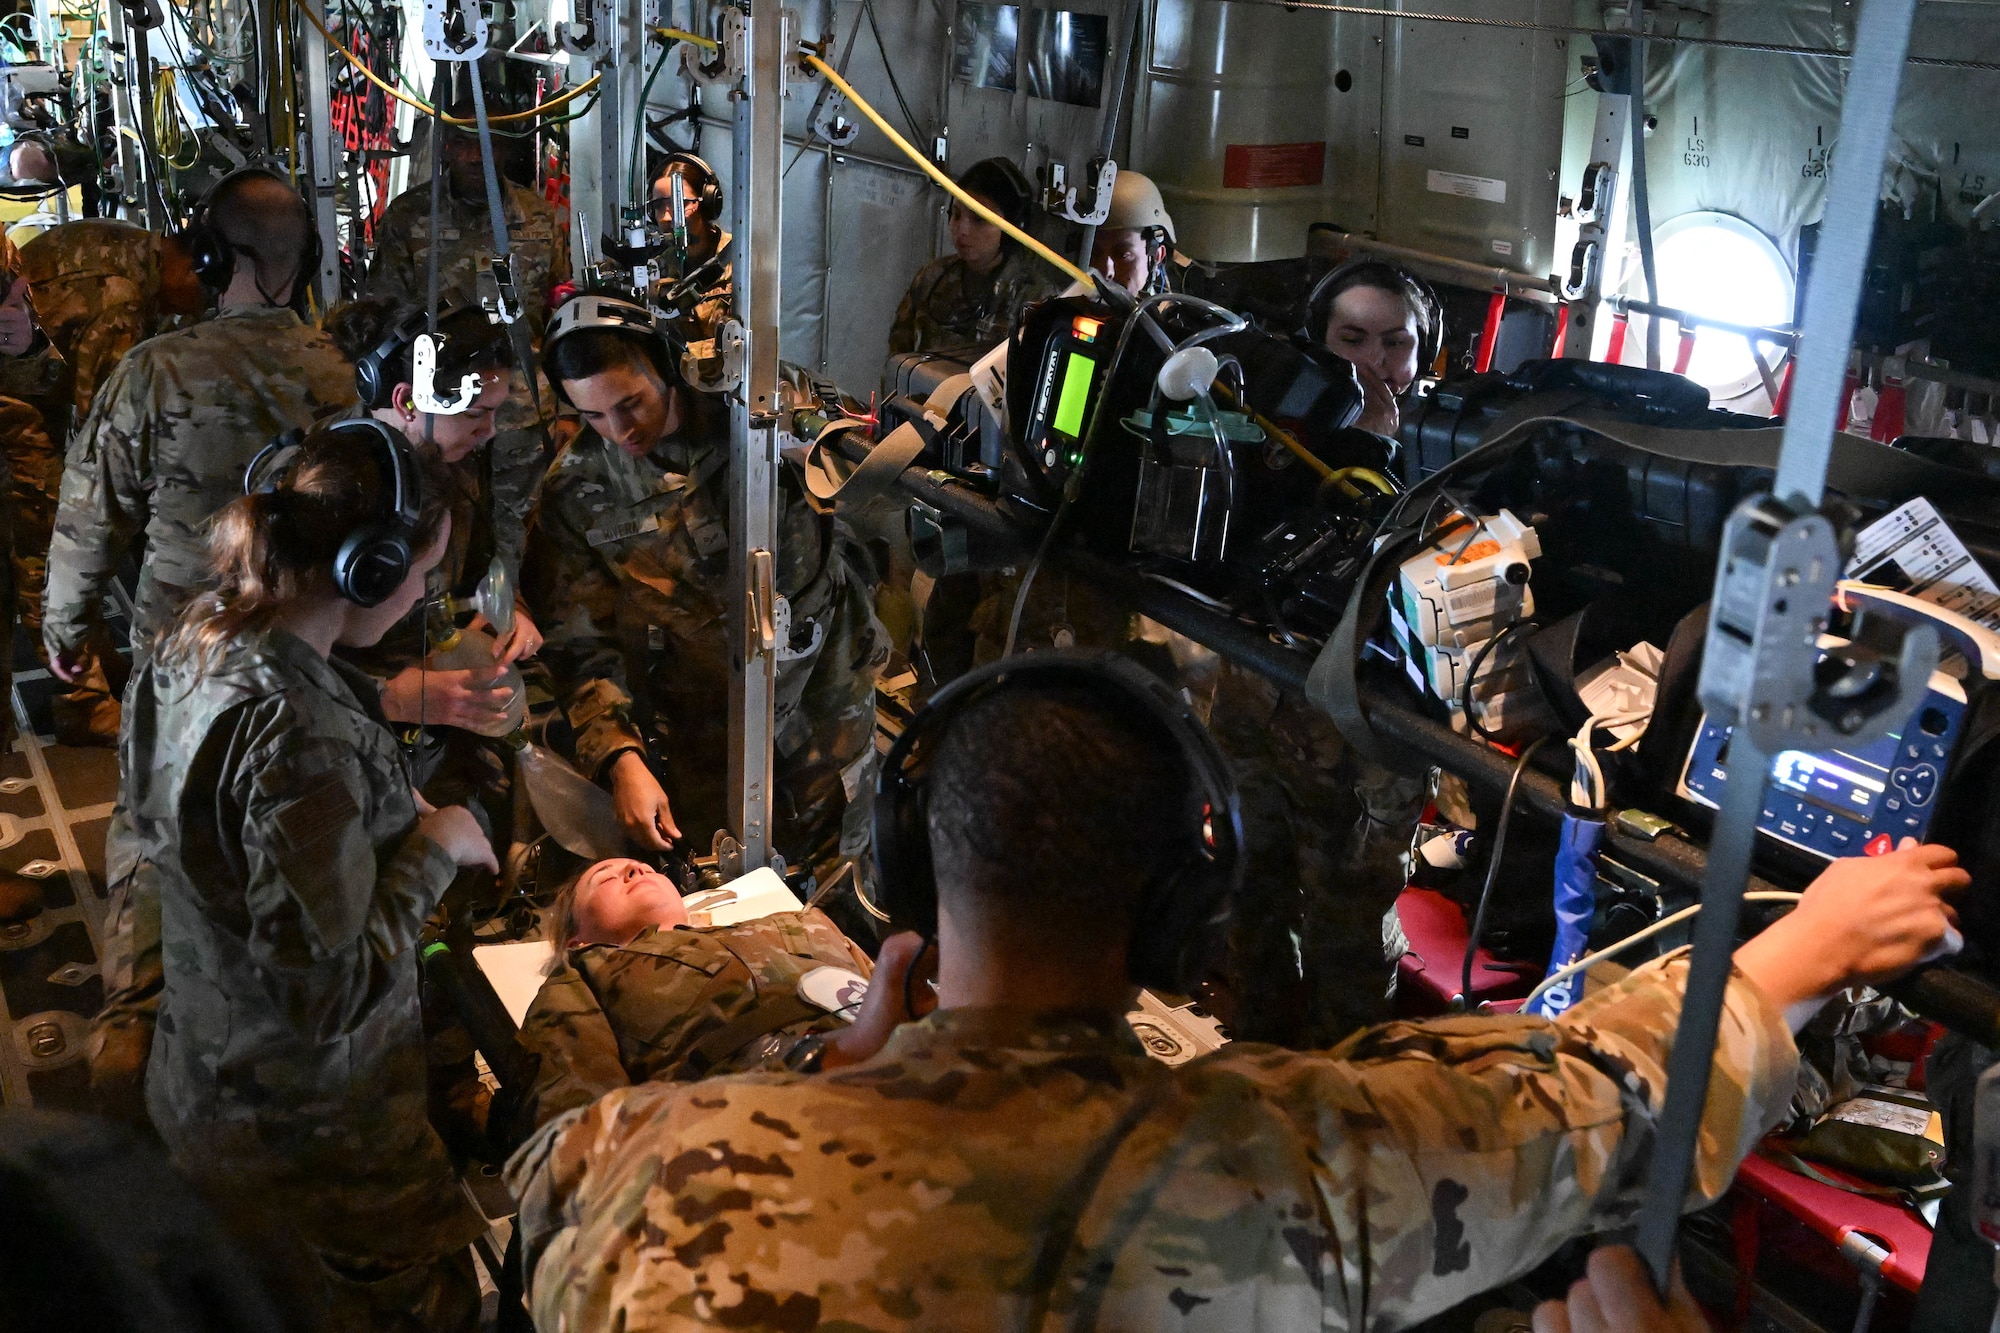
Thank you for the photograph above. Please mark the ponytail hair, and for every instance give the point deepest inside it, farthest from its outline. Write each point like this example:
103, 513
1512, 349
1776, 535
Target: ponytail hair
278, 543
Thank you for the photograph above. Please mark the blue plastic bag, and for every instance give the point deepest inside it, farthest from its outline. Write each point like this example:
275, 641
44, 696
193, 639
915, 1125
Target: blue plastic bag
1576, 904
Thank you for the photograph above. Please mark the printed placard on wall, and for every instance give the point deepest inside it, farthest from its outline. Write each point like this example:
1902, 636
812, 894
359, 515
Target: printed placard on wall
1272, 166
1461, 186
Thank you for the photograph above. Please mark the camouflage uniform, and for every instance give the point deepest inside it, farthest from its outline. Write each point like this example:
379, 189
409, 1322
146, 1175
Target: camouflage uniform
705, 309
95, 285
166, 447
613, 1016
36, 388
989, 1169
1323, 830
629, 566
272, 811
949, 307
535, 234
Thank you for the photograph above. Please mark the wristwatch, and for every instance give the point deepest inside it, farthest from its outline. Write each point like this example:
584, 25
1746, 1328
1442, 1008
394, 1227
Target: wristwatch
806, 1055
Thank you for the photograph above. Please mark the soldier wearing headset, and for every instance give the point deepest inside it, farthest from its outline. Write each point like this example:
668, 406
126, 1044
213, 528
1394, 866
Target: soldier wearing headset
686, 200
274, 825
1325, 828
1387, 322
1056, 831
628, 575
166, 442
453, 412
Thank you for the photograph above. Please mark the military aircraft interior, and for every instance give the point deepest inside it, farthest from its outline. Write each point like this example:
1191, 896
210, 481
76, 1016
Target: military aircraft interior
937, 664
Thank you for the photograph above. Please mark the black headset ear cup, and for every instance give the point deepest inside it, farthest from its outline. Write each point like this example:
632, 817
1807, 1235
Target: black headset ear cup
210, 255
372, 564
905, 880
375, 559
372, 382
708, 199
213, 258
1178, 920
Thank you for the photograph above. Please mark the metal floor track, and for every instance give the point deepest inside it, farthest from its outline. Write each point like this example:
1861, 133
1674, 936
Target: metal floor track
55, 804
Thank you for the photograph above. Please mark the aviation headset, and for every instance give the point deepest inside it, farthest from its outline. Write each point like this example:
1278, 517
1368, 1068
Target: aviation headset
709, 197
1176, 919
212, 255
374, 559
1388, 277
373, 381
613, 314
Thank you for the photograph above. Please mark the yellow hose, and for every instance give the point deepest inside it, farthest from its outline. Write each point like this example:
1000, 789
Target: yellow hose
683, 35
931, 170
397, 93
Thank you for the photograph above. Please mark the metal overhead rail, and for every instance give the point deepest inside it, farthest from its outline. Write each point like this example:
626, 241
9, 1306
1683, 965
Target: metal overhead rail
1632, 305
324, 150
1526, 25
1485, 275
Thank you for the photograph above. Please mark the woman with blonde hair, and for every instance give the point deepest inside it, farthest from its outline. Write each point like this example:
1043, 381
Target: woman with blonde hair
293, 867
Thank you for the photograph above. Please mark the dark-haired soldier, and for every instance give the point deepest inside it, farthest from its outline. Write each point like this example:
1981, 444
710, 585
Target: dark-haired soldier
1013, 1159
686, 183
968, 300
629, 574
166, 443
495, 494
1378, 316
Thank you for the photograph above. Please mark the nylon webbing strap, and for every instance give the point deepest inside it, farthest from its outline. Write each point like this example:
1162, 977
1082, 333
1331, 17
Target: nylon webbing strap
1882, 39
1840, 261
833, 480
758, 1021
503, 251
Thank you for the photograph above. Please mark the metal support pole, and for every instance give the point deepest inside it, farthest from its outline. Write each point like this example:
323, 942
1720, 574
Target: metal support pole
753, 501
324, 160
132, 109
1606, 197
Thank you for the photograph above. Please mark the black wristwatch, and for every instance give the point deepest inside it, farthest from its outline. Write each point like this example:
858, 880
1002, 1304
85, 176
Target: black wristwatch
807, 1053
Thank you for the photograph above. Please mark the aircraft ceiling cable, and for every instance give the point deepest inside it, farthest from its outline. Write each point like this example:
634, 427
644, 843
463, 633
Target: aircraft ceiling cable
541, 109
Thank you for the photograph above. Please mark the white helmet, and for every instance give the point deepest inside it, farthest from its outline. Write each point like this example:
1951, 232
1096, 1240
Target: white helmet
1136, 205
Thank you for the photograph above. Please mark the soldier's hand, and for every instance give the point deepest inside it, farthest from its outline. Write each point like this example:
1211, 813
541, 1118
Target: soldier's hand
69, 668
472, 698
1617, 1297
1865, 920
454, 829
641, 803
1379, 412
898, 992
524, 640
